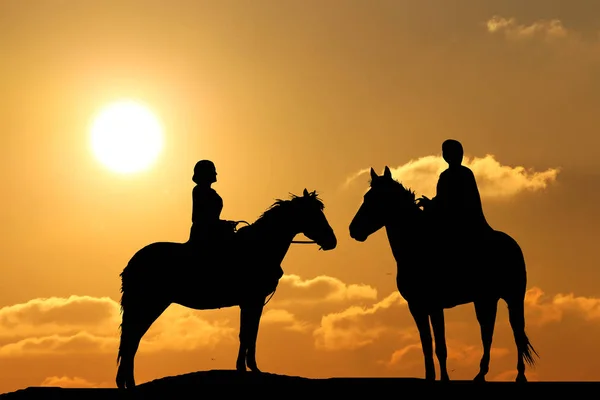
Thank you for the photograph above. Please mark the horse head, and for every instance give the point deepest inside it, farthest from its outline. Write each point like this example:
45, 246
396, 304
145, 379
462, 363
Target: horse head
310, 220
385, 198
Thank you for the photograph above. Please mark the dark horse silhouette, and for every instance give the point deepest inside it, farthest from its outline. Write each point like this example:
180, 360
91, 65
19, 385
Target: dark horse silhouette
429, 281
243, 274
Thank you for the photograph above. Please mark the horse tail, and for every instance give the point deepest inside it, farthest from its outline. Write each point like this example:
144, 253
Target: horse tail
135, 276
514, 287
516, 316
124, 302
528, 350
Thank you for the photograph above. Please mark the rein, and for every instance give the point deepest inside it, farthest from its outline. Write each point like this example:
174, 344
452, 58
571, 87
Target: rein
236, 223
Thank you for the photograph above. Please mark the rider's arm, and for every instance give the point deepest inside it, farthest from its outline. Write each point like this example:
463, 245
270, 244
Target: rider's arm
441, 188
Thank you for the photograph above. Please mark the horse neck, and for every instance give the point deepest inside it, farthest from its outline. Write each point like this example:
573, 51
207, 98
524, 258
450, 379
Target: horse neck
403, 233
276, 229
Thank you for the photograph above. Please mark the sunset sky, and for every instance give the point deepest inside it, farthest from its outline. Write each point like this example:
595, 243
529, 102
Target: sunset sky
286, 95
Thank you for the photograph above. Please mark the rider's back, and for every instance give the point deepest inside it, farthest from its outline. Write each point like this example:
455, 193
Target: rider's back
206, 211
458, 201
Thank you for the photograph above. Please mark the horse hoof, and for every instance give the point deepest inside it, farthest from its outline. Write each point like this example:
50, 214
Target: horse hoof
120, 383
123, 383
445, 378
479, 378
127, 386
240, 367
254, 368
521, 379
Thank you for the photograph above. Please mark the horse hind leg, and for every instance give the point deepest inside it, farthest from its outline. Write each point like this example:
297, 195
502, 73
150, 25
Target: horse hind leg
439, 334
127, 348
525, 351
486, 310
136, 322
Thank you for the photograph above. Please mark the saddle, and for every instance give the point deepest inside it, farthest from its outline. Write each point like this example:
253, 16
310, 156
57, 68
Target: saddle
230, 255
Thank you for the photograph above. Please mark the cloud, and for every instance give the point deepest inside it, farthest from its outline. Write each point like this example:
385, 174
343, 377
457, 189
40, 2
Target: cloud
85, 324
459, 353
495, 181
59, 315
381, 333
74, 382
467, 354
90, 325
349, 329
356, 175
293, 289
79, 343
398, 356
285, 319
545, 29
541, 310
185, 329
386, 330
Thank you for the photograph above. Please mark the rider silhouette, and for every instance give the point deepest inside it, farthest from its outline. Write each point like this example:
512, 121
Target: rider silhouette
208, 229
211, 233
457, 207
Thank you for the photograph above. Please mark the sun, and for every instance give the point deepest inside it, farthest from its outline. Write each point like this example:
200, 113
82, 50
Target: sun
126, 137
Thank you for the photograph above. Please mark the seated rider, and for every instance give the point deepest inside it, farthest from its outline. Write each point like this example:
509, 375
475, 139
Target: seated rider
457, 208
208, 230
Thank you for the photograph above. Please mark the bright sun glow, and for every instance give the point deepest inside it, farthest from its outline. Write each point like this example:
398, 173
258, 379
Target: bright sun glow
126, 137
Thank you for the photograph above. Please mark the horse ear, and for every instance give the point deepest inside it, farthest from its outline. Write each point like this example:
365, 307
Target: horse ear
373, 174
305, 193
386, 172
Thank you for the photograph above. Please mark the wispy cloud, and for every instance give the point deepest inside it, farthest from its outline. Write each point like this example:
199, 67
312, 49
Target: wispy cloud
74, 382
545, 29
355, 326
494, 179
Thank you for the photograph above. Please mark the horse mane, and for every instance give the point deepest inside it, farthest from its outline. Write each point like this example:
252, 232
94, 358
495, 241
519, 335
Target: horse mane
281, 204
395, 184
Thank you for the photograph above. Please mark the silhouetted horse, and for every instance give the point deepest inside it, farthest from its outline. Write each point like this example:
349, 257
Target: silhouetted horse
243, 274
430, 281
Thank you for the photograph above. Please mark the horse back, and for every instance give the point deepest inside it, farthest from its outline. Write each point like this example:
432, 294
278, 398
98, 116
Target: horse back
155, 254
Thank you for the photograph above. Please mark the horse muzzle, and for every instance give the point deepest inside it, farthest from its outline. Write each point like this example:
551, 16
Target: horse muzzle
328, 245
360, 237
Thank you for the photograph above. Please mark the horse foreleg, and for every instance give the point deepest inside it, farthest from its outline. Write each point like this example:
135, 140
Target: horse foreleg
249, 322
486, 316
421, 318
439, 334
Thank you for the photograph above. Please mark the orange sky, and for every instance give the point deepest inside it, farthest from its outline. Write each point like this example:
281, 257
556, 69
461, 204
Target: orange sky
283, 96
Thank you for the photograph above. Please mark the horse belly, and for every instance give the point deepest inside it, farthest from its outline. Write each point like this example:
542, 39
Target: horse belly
208, 293
198, 303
